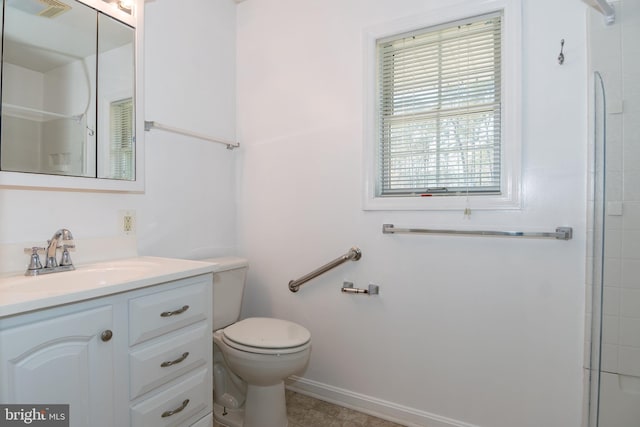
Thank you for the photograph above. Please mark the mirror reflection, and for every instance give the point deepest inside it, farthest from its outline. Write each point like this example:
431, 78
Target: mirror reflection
67, 91
116, 87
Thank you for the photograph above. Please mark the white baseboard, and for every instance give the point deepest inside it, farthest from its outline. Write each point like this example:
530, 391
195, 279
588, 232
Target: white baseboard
369, 405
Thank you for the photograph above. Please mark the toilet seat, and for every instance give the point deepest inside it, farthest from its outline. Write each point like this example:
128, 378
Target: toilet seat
265, 335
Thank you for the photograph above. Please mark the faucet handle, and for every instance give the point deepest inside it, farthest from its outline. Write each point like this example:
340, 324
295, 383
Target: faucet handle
65, 259
34, 250
34, 262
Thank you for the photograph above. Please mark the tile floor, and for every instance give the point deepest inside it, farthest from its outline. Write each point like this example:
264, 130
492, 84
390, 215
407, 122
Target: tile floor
305, 411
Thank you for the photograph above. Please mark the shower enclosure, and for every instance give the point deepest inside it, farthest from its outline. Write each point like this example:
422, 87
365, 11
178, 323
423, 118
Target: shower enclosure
614, 359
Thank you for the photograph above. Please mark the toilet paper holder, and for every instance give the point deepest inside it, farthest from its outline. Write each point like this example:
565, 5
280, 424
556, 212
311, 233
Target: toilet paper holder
348, 288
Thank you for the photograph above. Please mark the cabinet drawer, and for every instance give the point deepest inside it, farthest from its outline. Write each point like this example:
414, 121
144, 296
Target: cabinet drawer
168, 357
162, 312
182, 401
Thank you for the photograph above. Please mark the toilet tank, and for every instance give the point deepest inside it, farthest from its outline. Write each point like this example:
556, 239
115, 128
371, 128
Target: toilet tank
229, 275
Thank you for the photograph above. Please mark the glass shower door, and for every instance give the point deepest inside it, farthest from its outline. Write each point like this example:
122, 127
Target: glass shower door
598, 256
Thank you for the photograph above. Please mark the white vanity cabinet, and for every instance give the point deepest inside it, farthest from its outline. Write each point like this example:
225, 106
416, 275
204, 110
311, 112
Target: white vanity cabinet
141, 358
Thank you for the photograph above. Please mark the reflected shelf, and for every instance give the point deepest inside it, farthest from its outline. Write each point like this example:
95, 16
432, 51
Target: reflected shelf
34, 114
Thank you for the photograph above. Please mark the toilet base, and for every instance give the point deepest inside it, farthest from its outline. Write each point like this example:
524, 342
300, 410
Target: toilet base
228, 417
265, 407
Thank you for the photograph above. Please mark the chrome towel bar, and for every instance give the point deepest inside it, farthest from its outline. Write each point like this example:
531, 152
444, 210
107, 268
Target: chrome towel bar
561, 233
354, 254
148, 125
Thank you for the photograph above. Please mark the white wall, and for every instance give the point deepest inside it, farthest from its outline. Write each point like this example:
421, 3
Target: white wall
466, 331
188, 208
484, 331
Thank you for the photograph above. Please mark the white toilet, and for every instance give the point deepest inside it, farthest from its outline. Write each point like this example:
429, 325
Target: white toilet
251, 357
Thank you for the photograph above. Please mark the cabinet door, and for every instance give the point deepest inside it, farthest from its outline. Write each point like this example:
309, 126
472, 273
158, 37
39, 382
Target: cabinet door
62, 360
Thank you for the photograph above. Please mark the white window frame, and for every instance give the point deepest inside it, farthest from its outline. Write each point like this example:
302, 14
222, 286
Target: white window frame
510, 196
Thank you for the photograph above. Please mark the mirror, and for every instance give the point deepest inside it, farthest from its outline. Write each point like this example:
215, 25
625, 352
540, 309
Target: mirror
68, 91
116, 100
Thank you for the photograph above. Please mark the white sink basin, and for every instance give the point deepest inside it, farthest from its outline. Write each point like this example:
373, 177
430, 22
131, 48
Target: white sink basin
25, 293
118, 271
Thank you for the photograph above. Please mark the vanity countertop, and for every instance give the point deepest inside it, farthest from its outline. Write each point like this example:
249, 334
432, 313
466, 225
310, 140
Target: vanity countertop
20, 294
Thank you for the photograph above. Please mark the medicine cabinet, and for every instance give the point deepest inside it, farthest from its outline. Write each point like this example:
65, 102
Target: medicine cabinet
72, 94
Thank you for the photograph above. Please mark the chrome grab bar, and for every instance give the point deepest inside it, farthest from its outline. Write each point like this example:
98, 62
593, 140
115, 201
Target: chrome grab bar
561, 233
354, 254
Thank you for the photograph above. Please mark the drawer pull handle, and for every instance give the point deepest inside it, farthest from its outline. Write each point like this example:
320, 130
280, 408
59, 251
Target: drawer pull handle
166, 414
174, 312
175, 362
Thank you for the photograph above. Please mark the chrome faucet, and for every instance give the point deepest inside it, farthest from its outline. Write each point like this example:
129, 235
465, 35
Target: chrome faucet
53, 245
51, 264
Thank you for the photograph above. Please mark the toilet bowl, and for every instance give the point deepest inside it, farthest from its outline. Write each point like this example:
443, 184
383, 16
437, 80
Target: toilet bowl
252, 357
264, 363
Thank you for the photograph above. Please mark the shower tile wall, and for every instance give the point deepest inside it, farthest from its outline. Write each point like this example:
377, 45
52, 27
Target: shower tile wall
615, 52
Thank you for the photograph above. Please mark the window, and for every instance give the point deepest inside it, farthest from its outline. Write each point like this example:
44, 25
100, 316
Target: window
121, 145
439, 110
439, 116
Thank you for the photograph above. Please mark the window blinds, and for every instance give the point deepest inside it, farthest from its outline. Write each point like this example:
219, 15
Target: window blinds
439, 110
121, 147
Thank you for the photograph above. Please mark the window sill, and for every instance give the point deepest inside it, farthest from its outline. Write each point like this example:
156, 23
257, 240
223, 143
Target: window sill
443, 203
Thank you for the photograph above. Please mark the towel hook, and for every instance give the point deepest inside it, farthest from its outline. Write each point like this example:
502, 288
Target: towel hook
561, 56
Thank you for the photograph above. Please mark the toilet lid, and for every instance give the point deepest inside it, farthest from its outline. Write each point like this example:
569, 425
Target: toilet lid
265, 332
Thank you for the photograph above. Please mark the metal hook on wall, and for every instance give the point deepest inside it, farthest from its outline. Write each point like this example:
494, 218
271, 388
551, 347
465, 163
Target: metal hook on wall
561, 56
